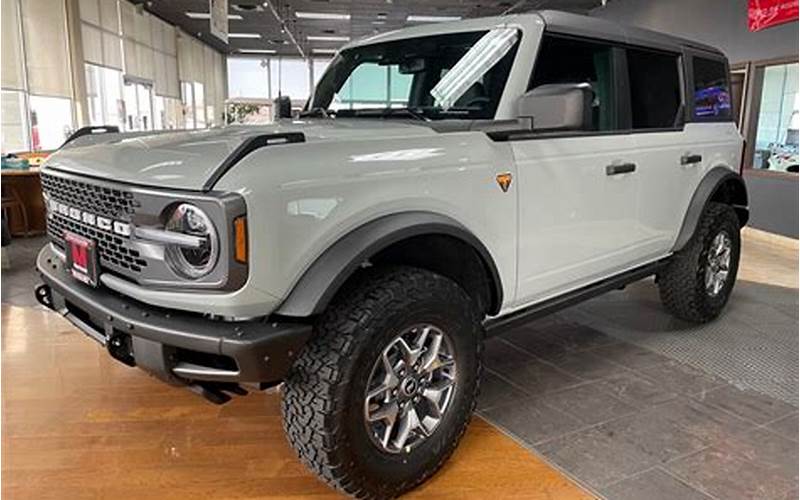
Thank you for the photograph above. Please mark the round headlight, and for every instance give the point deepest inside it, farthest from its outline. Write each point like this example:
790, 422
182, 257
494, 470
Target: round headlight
197, 260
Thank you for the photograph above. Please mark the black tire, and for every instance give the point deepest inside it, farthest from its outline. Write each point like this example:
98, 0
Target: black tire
323, 395
682, 283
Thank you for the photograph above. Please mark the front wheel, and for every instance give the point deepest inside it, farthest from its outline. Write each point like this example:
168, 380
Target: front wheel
697, 282
380, 397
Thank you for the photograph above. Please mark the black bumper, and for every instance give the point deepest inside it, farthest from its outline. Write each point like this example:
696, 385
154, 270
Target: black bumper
178, 347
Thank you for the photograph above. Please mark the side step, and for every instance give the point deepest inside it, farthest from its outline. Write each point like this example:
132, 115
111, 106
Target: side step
497, 325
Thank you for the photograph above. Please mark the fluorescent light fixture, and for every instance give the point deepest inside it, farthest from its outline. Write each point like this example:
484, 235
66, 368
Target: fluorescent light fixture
322, 15
324, 51
327, 38
206, 15
256, 51
244, 35
432, 19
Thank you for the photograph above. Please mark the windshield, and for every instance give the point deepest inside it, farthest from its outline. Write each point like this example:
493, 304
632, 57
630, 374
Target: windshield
396, 79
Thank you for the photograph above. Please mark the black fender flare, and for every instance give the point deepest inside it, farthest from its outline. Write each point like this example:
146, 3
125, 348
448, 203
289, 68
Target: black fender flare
320, 282
708, 187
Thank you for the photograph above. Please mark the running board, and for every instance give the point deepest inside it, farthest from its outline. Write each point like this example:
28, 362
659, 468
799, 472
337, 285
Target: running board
498, 325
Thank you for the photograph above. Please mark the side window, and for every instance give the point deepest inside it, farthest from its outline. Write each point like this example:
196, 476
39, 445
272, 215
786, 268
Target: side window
566, 60
712, 97
655, 89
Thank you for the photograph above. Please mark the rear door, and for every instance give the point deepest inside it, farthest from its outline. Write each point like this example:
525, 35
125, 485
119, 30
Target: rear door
681, 131
578, 190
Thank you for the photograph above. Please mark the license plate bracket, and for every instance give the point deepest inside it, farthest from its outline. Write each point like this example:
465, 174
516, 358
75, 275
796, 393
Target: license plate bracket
81, 258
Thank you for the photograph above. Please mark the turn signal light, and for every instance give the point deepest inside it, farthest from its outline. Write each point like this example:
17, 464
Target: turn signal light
240, 239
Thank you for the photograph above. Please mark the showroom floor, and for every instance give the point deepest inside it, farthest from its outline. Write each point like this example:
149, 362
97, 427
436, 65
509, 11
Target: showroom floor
613, 393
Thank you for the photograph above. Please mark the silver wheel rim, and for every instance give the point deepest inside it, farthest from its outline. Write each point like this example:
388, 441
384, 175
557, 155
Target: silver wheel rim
718, 264
410, 389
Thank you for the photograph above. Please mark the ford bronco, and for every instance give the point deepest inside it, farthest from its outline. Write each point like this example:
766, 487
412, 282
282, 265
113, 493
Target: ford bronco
443, 183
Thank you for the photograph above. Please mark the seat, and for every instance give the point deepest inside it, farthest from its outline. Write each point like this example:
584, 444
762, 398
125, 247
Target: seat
474, 96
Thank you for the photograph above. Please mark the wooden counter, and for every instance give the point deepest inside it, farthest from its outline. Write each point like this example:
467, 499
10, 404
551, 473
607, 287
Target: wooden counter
27, 185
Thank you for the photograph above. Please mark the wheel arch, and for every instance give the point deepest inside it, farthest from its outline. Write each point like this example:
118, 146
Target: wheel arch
719, 185
421, 239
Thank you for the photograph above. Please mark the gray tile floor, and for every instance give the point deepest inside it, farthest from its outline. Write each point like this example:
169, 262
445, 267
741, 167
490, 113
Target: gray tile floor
629, 402
634, 404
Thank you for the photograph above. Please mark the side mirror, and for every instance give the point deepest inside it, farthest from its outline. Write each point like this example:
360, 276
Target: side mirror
557, 106
282, 107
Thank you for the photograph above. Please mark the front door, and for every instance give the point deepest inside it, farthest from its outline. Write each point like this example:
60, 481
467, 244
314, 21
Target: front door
578, 190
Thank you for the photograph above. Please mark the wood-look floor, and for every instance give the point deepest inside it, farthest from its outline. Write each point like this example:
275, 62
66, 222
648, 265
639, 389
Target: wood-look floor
76, 424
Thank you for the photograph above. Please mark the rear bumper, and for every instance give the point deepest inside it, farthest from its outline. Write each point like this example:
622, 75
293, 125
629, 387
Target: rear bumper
178, 347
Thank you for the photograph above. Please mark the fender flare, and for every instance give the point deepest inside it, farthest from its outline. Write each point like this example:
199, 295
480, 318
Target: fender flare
708, 187
320, 282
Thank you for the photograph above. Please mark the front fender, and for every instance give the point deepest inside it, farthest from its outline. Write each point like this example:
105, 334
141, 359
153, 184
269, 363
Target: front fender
317, 286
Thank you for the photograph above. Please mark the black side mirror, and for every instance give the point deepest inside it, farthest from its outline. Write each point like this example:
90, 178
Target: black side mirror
557, 106
282, 107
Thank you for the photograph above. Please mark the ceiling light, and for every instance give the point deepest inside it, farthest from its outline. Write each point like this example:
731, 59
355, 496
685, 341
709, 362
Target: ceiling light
324, 51
256, 51
313, 38
432, 19
322, 15
244, 35
206, 15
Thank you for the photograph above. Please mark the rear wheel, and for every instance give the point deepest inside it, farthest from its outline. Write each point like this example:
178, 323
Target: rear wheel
380, 397
698, 280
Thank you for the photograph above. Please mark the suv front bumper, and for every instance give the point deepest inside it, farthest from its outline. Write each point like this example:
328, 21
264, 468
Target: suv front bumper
178, 347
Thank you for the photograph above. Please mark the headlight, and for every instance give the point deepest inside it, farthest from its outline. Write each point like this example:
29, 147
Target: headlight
195, 259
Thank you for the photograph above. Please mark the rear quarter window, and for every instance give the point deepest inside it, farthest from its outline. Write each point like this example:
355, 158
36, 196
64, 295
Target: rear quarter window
711, 97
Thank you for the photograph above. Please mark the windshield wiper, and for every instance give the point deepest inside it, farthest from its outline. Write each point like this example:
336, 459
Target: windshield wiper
389, 112
317, 112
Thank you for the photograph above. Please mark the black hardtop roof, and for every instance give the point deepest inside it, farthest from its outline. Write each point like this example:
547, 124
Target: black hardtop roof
579, 25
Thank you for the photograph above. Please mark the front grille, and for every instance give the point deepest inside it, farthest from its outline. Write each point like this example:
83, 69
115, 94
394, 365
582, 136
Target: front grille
115, 252
100, 200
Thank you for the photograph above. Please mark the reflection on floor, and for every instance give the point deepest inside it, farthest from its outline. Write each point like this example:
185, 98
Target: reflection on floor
635, 404
77, 424
627, 401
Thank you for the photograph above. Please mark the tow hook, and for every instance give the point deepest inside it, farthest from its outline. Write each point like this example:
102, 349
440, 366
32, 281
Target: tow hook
44, 296
217, 392
120, 348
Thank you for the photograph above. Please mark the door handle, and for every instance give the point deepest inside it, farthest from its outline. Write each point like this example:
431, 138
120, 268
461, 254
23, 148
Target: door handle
621, 168
689, 159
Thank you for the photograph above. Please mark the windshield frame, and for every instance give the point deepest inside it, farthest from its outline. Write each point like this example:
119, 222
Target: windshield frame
313, 105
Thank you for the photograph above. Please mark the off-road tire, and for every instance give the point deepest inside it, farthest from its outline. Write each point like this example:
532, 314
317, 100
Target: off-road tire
323, 394
681, 283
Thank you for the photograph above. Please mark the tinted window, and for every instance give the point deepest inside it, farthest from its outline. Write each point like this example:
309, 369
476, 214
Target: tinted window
712, 97
565, 60
655, 89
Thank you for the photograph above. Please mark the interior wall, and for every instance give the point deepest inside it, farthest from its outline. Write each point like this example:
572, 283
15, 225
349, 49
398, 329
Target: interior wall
720, 23
773, 204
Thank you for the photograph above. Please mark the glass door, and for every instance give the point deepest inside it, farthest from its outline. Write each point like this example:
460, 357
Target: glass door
138, 99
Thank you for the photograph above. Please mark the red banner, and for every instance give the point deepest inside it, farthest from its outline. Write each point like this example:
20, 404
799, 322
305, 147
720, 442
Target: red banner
763, 14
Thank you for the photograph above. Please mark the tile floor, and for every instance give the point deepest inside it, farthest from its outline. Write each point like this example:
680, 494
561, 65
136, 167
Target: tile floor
631, 403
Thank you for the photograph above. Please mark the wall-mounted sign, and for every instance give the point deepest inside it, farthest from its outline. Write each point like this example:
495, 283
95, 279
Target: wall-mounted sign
219, 18
763, 14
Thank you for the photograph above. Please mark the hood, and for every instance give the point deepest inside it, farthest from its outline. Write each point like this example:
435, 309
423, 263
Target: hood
187, 159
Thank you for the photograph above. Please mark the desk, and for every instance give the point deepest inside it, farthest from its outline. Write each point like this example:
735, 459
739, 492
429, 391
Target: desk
29, 188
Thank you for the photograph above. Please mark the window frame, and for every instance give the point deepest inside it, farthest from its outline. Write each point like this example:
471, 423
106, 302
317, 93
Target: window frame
690, 55
682, 87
